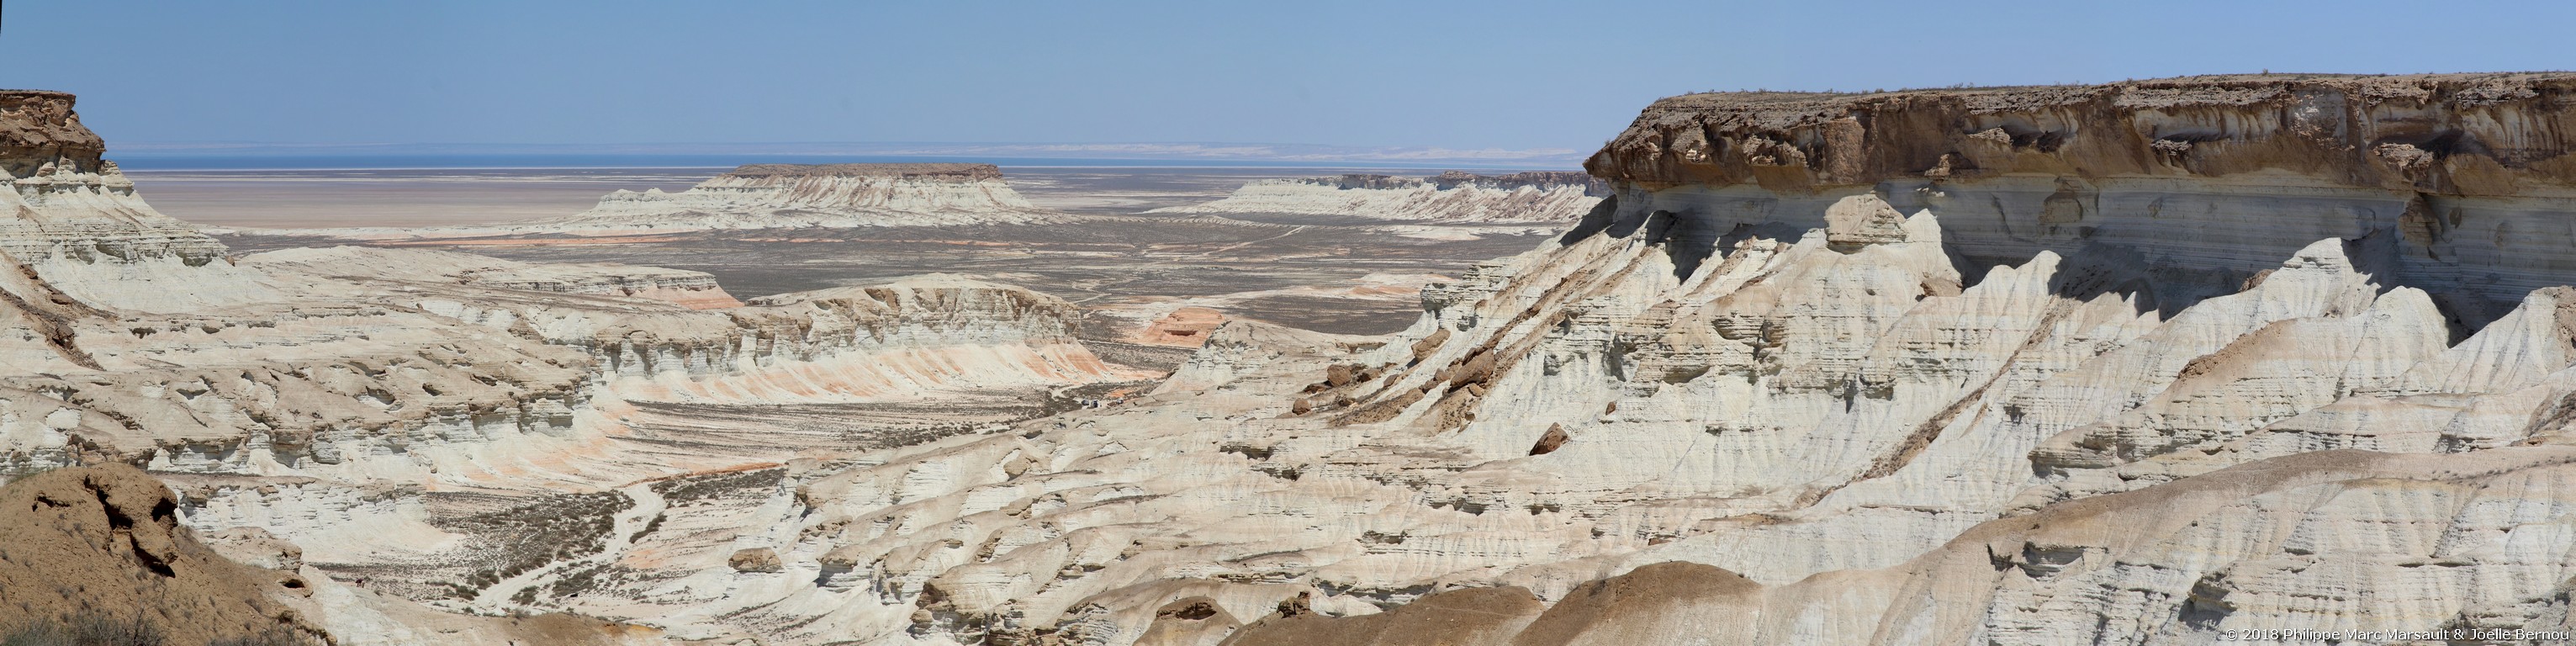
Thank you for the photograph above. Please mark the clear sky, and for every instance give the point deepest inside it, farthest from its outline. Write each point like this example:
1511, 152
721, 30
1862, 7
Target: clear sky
1461, 75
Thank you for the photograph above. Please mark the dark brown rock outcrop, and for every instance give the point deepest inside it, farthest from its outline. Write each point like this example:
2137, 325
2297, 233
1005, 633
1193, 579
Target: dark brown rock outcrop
1460, 617
2454, 134
37, 126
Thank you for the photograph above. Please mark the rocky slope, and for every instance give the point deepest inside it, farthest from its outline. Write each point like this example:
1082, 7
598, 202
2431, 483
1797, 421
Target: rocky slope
2039, 388
1845, 419
1450, 198
690, 289
108, 541
2214, 176
827, 195
73, 222
2141, 363
418, 428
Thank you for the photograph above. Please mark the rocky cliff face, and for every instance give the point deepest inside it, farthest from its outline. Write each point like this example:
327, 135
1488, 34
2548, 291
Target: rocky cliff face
72, 220
2138, 363
1801, 413
2212, 177
329, 403
846, 195
2058, 383
766, 196
1451, 197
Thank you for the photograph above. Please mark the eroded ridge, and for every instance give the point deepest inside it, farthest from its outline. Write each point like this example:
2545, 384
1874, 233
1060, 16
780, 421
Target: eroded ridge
1453, 197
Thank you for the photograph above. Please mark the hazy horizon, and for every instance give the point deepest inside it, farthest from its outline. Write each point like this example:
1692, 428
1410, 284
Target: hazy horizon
150, 155
1511, 76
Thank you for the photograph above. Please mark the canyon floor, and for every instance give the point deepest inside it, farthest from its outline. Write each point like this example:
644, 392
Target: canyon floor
2159, 362
1332, 274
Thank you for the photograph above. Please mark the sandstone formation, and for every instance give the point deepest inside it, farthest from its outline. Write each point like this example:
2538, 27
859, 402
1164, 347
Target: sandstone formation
767, 196
825, 195
1182, 327
691, 289
74, 224
1449, 198
2140, 363
323, 411
2205, 175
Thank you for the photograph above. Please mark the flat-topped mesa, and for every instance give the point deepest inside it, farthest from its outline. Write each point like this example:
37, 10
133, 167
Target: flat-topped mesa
1541, 180
937, 172
1453, 196
2471, 173
1348, 181
826, 195
74, 219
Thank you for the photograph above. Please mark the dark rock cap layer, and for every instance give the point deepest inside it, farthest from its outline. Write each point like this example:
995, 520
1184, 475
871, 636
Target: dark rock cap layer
2465, 134
38, 126
936, 172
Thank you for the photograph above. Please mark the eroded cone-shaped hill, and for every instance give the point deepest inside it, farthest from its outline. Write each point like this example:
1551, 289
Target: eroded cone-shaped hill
107, 540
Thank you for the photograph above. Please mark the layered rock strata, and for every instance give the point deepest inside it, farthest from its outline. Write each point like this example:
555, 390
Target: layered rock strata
321, 409
1451, 197
691, 289
2212, 177
1841, 423
767, 196
1772, 393
828, 195
72, 221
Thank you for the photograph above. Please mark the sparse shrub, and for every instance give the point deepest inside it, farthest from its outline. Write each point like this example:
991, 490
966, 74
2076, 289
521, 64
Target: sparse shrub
274, 636
97, 628
88, 628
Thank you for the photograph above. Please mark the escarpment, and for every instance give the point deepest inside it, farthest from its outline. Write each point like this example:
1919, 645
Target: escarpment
332, 402
2138, 363
845, 195
70, 219
1947, 367
1450, 197
766, 196
2206, 178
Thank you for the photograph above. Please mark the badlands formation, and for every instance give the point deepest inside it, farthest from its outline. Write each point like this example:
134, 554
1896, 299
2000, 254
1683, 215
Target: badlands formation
1449, 198
768, 196
828, 195
2139, 363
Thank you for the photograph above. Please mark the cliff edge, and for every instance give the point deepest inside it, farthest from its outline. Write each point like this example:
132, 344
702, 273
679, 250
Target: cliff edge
2447, 134
2466, 180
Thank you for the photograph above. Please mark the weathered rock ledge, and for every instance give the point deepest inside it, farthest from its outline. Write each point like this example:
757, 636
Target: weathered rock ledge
2450, 134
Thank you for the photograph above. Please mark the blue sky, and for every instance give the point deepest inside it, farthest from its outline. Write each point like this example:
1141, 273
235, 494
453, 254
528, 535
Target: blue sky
1472, 75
